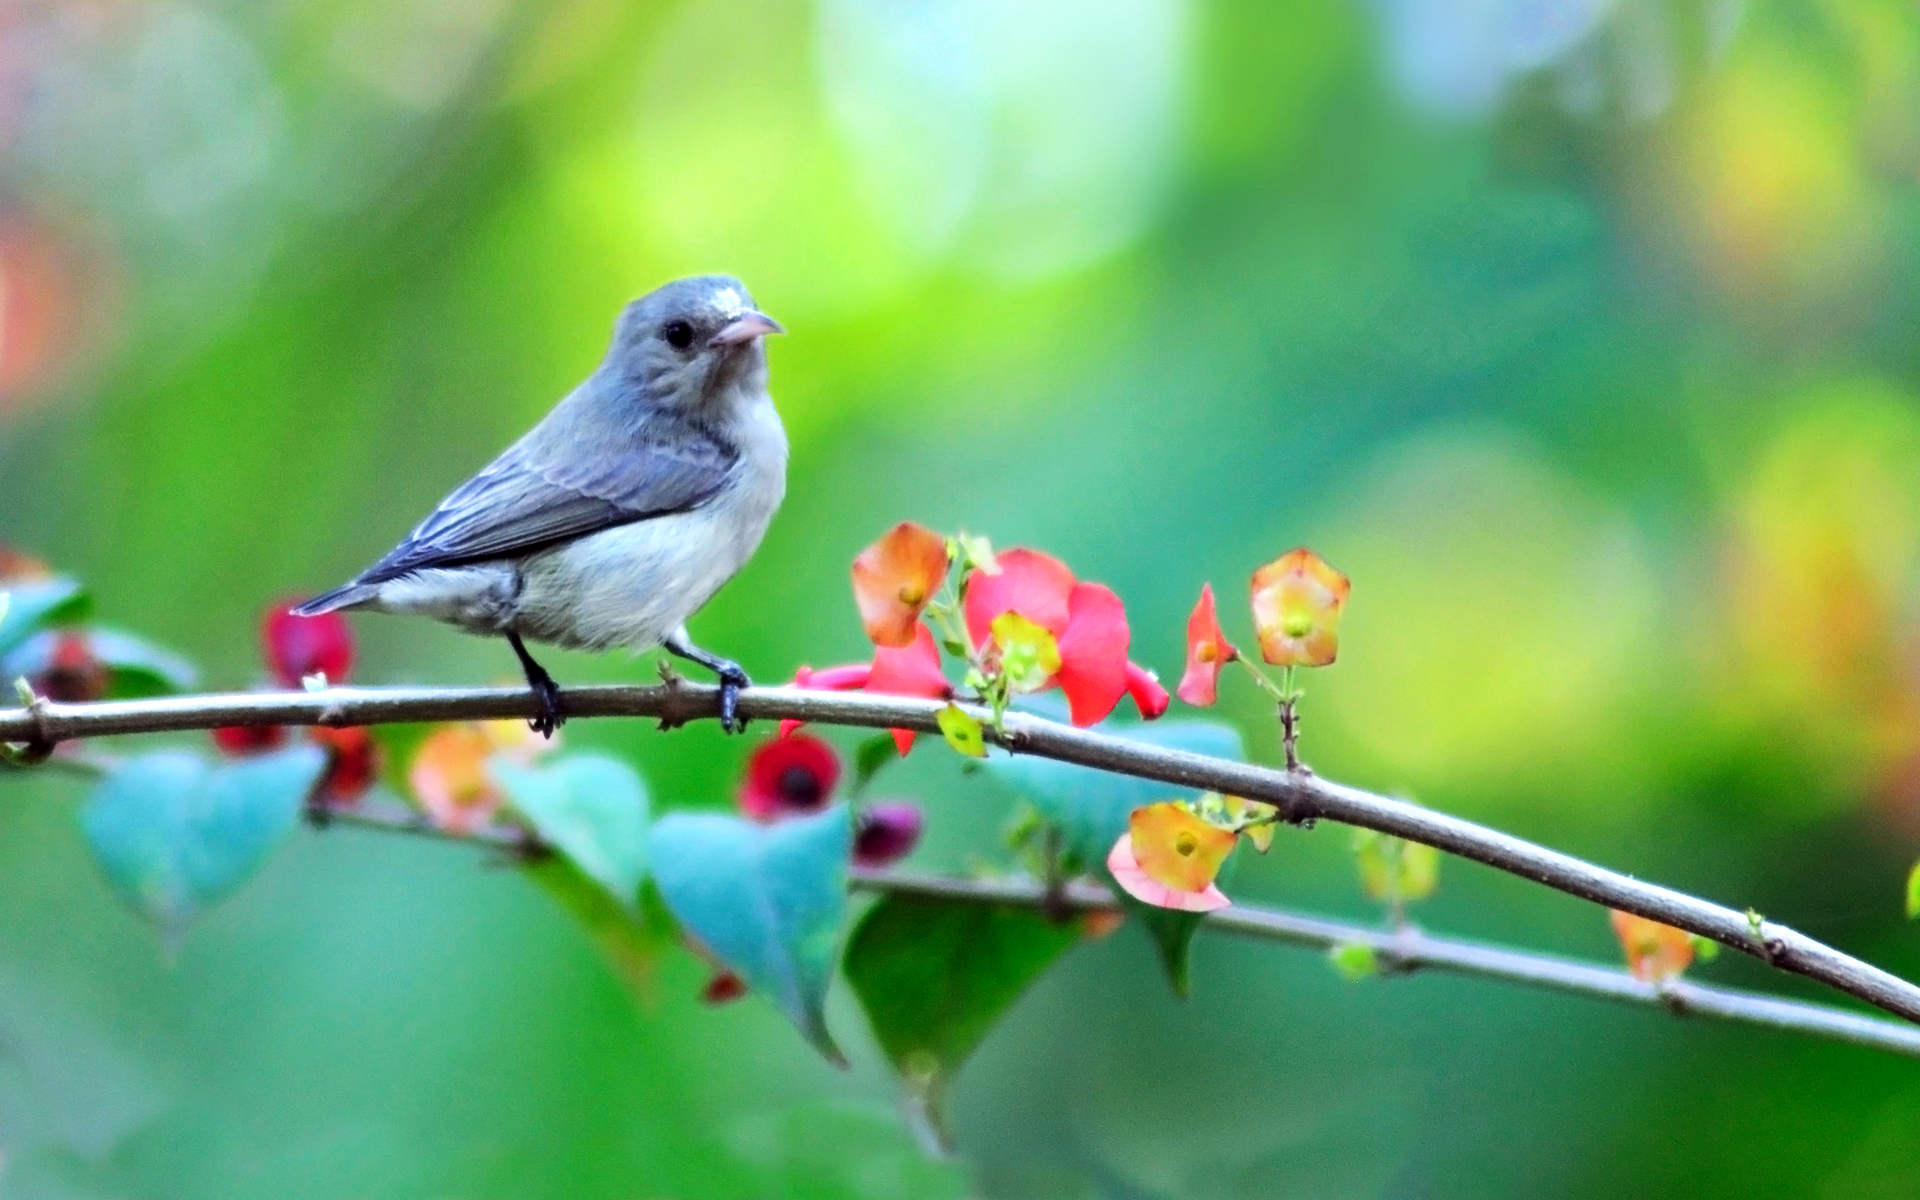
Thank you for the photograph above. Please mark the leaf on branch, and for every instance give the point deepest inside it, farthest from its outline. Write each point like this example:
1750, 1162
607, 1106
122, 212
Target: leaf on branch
1091, 809
175, 834
962, 731
935, 975
767, 900
592, 808
1394, 869
36, 603
1354, 960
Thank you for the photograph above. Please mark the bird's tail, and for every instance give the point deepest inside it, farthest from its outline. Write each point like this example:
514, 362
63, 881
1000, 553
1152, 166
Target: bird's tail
345, 596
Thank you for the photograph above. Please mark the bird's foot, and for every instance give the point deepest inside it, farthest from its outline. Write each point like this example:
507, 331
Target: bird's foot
549, 718
732, 679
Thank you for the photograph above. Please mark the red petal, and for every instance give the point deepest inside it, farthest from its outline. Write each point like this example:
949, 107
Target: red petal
1208, 650
788, 725
1144, 686
910, 670
725, 986
353, 762
902, 740
1033, 584
848, 678
787, 776
239, 740
297, 647
1093, 653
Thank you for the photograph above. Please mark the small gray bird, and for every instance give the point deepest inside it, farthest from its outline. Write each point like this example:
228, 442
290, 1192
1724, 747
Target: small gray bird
622, 512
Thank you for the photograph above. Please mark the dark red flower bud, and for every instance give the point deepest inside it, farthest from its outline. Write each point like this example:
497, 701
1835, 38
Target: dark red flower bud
239, 741
887, 833
353, 762
297, 647
73, 674
725, 986
788, 776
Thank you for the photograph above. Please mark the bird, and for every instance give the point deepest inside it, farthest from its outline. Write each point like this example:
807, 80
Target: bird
621, 513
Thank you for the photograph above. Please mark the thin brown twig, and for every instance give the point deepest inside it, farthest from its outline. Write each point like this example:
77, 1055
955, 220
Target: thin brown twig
1300, 796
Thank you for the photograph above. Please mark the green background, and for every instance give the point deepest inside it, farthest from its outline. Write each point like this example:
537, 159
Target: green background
1580, 335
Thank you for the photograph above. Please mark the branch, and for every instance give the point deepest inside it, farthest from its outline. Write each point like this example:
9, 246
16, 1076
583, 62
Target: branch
1400, 951
1300, 795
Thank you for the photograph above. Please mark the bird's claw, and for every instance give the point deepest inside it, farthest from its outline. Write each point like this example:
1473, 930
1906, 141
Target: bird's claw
732, 679
549, 718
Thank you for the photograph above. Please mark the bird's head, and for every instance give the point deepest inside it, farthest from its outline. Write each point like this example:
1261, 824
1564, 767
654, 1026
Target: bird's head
690, 342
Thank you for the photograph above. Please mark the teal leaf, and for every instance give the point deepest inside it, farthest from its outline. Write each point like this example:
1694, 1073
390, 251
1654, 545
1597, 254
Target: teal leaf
935, 975
33, 603
175, 834
768, 900
1090, 808
590, 807
136, 668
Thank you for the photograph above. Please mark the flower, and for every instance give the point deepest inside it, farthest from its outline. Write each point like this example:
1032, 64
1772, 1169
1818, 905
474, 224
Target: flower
723, 988
353, 762
886, 833
1128, 873
787, 776
1087, 622
909, 670
1169, 857
894, 578
73, 672
1297, 600
297, 647
1655, 952
238, 741
449, 777
1208, 650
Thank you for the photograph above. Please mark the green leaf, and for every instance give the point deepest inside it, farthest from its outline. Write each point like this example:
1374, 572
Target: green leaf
34, 603
767, 900
175, 834
934, 975
874, 755
962, 731
630, 938
1913, 892
136, 668
590, 807
1354, 960
1090, 808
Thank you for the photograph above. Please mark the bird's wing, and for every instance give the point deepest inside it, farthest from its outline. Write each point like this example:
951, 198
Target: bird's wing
521, 503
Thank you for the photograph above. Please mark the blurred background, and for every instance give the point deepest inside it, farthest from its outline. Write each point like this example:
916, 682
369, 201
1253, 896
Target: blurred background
1578, 332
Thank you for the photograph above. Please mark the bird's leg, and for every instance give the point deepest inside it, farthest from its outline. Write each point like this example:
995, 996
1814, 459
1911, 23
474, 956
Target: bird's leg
544, 688
732, 678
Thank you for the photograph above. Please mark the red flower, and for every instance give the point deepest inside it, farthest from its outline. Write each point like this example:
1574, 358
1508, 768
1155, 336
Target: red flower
787, 776
894, 578
1087, 621
1208, 650
297, 647
73, 673
887, 832
353, 762
909, 670
723, 988
238, 741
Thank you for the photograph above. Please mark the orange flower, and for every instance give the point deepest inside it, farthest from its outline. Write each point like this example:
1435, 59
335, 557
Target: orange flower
1208, 650
1297, 600
1655, 952
1169, 856
449, 771
894, 578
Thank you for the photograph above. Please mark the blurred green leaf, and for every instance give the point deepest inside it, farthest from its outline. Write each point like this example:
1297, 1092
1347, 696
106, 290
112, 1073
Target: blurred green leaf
873, 756
590, 807
631, 937
175, 834
136, 668
39, 602
1913, 892
1090, 808
934, 975
1394, 869
768, 900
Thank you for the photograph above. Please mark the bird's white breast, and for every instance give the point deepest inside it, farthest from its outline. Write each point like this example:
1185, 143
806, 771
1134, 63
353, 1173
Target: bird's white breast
632, 585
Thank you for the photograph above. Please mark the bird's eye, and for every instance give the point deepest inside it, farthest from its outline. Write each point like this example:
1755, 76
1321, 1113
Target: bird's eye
679, 334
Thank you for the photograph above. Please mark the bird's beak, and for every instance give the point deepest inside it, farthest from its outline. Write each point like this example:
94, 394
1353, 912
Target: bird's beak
744, 328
